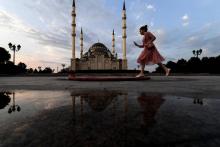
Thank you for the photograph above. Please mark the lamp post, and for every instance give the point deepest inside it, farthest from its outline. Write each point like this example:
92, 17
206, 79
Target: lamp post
14, 48
196, 53
14, 107
63, 65
39, 69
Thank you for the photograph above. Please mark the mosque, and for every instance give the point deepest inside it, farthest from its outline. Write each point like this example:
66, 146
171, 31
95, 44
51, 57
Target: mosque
98, 56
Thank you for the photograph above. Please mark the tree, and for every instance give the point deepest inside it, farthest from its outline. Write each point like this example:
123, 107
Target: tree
181, 66
22, 67
39, 69
64, 70
194, 65
30, 70
4, 56
47, 70
4, 99
205, 65
212, 65
217, 59
35, 70
172, 65
159, 69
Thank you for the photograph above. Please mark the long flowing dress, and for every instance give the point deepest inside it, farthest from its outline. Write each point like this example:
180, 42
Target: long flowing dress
150, 54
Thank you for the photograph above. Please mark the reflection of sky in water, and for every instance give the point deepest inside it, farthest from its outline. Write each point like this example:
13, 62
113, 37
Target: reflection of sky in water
125, 117
32, 102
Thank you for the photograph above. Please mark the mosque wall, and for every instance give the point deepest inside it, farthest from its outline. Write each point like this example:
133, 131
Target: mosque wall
98, 63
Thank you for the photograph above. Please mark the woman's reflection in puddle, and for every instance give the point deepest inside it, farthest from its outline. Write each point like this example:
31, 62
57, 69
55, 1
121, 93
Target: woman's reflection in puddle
99, 101
116, 111
149, 104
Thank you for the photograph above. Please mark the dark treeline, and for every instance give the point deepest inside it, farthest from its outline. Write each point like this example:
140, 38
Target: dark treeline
194, 65
4, 99
8, 67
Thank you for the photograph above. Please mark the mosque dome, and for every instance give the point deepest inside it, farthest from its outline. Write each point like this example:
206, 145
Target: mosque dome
99, 49
100, 100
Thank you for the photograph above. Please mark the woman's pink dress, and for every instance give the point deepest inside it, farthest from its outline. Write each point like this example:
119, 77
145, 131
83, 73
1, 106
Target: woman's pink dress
149, 55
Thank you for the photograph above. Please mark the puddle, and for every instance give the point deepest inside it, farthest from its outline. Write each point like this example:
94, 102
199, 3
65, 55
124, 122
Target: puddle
107, 118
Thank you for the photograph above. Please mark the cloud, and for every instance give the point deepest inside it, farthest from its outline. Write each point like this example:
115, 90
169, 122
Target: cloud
179, 44
10, 21
50, 29
210, 45
185, 24
47, 45
185, 20
150, 7
54, 31
185, 17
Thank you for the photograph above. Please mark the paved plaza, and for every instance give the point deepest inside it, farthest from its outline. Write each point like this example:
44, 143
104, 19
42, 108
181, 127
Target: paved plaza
206, 86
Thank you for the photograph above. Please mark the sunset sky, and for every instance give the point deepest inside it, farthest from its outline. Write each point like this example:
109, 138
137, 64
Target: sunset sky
43, 27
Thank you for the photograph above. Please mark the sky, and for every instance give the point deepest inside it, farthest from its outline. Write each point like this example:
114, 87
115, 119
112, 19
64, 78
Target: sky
43, 28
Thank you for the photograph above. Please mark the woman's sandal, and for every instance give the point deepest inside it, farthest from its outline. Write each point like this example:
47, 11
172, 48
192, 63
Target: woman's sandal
139, 76
168, 72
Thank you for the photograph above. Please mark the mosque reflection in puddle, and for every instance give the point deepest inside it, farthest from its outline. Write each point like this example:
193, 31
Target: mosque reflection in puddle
109, 118
116, 105
98, 102
93, 118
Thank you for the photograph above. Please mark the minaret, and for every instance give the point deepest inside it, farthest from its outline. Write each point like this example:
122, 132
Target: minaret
81, 43
73, 61
124, 36
113, 42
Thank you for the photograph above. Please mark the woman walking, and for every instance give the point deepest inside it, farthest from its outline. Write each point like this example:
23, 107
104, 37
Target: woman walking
150, 54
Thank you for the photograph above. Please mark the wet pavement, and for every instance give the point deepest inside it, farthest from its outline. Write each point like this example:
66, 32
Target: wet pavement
91, 117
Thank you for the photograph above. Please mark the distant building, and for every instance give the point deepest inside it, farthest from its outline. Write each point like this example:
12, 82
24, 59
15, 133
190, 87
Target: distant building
98, 57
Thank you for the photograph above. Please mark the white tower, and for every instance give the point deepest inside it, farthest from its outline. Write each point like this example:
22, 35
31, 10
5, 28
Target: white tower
73, 60
113, 42
81, 43
124, 36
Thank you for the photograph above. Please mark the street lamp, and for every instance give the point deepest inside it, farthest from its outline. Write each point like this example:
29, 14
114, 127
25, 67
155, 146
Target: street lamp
63, 65
39, 68
14, 107
196, 53
14, 48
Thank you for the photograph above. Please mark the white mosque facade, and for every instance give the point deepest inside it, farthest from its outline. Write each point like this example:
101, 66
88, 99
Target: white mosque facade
98, 56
